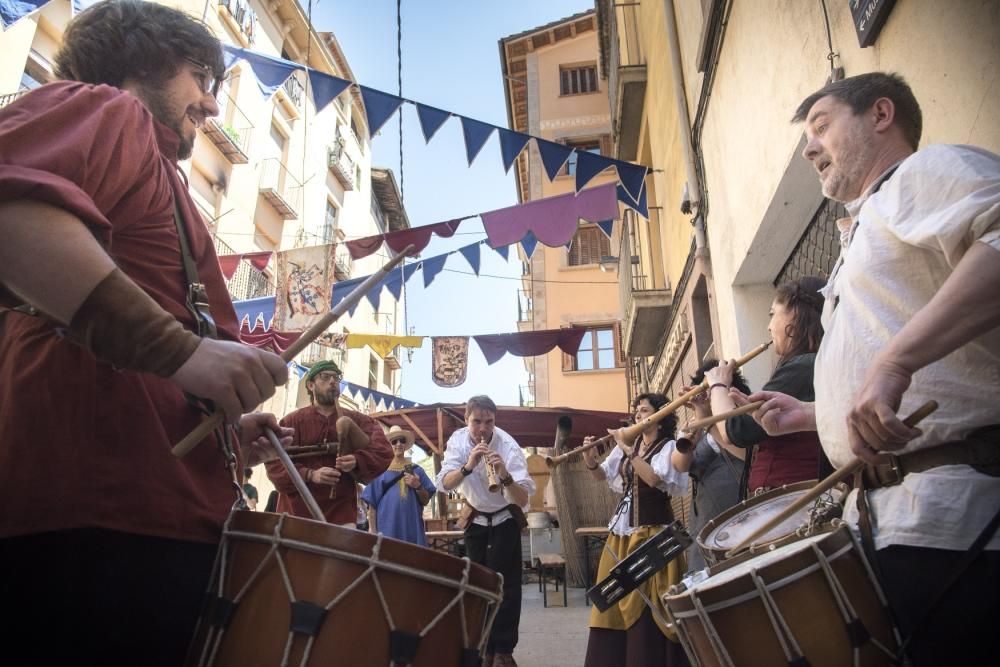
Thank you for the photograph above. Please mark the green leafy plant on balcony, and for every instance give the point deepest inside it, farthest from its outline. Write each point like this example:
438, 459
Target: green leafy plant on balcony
231, 132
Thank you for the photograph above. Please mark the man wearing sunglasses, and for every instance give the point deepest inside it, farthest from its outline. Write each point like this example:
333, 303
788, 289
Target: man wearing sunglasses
396, 498
104, 533
362, 451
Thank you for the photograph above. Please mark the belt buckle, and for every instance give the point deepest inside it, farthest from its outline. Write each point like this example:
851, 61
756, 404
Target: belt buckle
891, 473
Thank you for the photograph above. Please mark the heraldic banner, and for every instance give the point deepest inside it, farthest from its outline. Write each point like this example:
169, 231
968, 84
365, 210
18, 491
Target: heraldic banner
450, 360
304, 277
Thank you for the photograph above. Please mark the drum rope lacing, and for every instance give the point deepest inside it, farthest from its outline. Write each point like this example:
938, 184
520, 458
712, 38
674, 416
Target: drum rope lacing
374, 562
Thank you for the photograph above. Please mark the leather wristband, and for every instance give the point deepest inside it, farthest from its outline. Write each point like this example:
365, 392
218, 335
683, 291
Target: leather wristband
718, 384
506, 481
122, 325
465, 471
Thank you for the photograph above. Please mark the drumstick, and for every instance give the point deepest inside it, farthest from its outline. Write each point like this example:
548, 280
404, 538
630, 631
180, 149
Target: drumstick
211, 422
296, 478
838, 476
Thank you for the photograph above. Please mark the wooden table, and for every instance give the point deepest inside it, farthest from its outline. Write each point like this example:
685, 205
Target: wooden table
593, 539
446, 540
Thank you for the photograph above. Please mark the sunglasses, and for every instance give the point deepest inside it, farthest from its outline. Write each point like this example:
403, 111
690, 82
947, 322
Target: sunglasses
206, 77
398, 441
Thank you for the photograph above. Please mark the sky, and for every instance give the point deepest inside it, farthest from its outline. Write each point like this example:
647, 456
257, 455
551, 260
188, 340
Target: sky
450, 60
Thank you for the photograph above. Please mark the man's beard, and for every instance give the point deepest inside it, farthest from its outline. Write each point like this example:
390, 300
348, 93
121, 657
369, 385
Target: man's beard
159, 105
847, 181
326, 398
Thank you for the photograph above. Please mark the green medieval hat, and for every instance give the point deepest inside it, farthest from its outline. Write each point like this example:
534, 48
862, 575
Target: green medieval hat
320, 366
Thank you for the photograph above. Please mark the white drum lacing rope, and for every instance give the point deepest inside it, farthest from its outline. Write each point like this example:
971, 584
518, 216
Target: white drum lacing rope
713, 635
781, 630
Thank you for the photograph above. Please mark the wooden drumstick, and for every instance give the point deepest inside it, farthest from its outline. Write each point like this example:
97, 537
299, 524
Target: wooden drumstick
838, 476
296, 478
213, 421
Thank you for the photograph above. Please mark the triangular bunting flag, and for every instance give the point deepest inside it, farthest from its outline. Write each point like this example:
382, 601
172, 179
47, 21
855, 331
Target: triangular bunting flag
271, 72
639, 207
632, 176
502, 251
476, 133
326, 88
606, 226
528, 243
589, 165
379, 107
431, 120
471, 254
432, 267
511, 145
375, 296
554, 156
12, 10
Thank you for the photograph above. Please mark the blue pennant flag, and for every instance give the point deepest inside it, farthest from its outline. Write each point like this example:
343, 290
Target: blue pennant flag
394, 283
606, 226
270, 71
502, 251
554, 156
326, 88
374, 297
471, 255
639, 206
589, 165
511, 145
299, 369
431, 120
12, 10
528, 243
252, 309
379, 107
632, 176
432, 267
476, 134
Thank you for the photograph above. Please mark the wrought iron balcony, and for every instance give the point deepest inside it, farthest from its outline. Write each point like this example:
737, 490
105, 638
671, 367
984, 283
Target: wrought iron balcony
231, 131
646, 304
626, 72
341, 164
281, 190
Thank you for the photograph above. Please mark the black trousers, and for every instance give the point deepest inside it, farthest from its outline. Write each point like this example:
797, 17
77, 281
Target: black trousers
99, 597
960, 630
499, 548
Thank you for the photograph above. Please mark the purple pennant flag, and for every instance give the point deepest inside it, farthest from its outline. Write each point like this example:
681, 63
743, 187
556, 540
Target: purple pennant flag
379, 107
476, 134
511, 145
432, 267
553, 220
589, 165
471, 254
431, 120
530, 343
554, 156
326, 88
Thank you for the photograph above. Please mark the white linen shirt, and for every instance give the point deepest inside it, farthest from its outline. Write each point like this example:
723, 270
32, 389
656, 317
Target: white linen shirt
672, 481
907, 238
475, 487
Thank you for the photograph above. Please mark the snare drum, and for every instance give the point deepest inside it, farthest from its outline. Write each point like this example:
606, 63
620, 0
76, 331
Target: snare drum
814, 601
290, 591
730, 528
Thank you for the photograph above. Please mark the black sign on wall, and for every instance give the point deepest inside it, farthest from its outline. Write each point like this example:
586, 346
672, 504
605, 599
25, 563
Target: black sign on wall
869, 17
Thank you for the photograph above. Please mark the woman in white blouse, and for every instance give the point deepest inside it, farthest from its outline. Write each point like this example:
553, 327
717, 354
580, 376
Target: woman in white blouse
634, 632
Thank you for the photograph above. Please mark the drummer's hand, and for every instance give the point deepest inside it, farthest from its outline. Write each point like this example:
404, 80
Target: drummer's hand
255, 444
780, 413
234, 376
325, 475
723, 373
347, 462
700, 404
872, 424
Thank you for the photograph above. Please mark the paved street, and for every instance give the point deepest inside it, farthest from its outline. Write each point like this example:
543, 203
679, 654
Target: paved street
552, 636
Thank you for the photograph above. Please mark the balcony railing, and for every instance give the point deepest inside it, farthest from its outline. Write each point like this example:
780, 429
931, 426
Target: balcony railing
293, 87
341, 164
626, 78
247, 282
10, 97
646, 304
282, 190
243, 17
343, 264
231, 131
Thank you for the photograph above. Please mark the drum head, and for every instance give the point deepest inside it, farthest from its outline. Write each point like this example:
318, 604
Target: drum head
730, 528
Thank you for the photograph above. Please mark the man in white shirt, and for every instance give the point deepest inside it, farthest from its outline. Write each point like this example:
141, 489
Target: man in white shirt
912, 314
493, 535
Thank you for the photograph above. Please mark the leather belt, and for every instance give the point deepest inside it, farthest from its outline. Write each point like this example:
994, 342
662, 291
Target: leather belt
981, 450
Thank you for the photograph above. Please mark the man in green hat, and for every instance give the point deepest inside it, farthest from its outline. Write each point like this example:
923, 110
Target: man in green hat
359, 451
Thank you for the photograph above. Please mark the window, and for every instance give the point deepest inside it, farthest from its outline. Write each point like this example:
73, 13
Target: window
373, 373
330, 224
599, 349
577, 80
589, 245
589, 145
387, 376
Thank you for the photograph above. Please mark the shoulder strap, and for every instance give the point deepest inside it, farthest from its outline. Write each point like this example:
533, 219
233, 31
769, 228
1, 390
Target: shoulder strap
196, 297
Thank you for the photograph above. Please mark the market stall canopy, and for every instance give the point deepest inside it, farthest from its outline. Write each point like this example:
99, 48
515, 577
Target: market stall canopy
531, 427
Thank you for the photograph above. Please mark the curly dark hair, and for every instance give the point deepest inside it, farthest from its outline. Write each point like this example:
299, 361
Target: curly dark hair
739, 381
804, 299
668, 425
862, 91
116, 40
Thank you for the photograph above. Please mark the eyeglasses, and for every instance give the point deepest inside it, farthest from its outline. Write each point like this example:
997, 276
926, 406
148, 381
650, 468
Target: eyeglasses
209, 84
328, 376
398, 441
